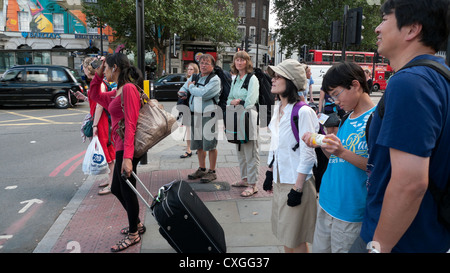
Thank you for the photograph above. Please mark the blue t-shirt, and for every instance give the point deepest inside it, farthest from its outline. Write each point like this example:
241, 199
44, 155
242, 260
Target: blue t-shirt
343, 190
417, 111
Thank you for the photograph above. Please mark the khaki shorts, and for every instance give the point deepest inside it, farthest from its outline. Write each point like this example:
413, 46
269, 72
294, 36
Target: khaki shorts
333, 235
294, 225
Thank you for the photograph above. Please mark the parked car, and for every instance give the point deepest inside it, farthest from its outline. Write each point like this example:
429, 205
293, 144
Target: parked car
167, 87
40, 84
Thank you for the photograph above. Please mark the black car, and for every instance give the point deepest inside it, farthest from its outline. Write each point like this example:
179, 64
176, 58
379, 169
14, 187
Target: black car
40, 84
167, 87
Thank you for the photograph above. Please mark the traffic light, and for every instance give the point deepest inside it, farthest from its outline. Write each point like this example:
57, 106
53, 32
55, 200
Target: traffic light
248, 44
176, 44
354, 26
265, 58
336, 29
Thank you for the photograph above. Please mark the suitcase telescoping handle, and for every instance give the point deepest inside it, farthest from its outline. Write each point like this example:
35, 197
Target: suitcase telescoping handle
161, 191
124, 177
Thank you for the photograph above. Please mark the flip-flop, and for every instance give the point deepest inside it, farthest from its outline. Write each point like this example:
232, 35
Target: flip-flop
105, 190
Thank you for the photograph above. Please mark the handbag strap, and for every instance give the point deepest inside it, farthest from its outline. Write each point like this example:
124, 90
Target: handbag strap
144, 98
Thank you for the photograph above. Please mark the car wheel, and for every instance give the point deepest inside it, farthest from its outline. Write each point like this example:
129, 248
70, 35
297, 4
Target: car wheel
61, 102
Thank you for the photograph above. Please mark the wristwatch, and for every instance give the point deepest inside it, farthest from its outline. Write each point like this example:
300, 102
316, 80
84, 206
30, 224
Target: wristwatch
373, 247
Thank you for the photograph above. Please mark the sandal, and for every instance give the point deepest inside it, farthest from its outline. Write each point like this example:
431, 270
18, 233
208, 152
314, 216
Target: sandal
104, 184
186, 154
126, 243
141, 230
105, 190
241, 183
249, 191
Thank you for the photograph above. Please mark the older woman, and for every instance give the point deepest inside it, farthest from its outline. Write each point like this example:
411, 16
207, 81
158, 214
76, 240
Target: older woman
294, 196
247, 153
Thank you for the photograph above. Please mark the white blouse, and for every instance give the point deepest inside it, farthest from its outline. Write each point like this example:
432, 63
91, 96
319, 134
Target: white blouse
287, 161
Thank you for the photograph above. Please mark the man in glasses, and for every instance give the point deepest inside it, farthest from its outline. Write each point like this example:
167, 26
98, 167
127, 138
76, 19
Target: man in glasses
204, 89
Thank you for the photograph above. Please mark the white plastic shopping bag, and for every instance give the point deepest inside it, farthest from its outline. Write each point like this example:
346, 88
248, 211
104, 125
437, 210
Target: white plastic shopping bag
94, 160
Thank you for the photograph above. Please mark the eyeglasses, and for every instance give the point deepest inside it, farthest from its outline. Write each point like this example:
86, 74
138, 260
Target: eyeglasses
205, 64
335, 97
277, 77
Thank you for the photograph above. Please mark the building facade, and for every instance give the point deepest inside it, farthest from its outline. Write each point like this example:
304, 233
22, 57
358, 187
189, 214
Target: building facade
47, 32
253, 17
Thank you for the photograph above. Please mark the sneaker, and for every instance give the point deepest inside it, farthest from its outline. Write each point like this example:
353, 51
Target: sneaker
210, 176
198, 174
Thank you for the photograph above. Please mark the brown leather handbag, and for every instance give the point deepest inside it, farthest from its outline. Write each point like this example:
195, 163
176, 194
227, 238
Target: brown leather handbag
153, 125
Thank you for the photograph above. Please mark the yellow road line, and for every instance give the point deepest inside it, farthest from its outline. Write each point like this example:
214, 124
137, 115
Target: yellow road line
45, 117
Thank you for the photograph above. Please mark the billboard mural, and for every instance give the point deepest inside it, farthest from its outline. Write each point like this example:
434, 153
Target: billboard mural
38, 15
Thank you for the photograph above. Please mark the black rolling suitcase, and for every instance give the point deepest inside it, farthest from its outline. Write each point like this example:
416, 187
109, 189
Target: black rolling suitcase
184, 220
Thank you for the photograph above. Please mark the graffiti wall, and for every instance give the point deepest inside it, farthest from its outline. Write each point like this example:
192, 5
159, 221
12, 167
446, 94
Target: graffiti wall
38, 16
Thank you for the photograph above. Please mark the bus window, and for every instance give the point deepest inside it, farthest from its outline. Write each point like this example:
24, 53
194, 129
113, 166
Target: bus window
337, 57
359, 58
349, 57
327, 57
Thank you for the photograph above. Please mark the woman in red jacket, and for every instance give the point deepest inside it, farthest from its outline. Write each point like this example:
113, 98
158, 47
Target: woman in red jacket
100, 125
117, 68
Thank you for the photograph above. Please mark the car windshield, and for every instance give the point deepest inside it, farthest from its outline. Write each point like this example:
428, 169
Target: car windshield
172, 78
12, 75
162, 78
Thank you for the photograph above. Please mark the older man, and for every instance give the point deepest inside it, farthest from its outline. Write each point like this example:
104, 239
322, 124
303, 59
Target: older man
204, 92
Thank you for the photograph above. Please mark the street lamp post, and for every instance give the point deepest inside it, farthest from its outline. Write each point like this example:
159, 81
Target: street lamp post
140, 47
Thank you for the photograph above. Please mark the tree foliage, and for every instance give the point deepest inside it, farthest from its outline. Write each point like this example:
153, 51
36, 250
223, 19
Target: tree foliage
309, 22
210, 19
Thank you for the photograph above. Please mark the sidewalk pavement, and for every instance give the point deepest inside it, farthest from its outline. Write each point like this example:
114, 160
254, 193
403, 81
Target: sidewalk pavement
91, 223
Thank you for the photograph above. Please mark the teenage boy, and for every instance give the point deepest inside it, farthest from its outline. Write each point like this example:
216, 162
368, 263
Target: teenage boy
343, 190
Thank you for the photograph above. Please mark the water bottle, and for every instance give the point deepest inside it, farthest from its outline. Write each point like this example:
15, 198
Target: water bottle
317, 139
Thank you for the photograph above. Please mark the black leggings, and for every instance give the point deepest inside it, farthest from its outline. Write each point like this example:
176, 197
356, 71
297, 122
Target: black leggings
124, 193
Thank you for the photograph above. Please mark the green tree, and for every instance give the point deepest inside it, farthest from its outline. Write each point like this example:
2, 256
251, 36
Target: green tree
309, 22
210, 19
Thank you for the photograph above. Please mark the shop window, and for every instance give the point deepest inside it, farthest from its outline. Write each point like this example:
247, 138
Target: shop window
24, 57
7, 60
41, 58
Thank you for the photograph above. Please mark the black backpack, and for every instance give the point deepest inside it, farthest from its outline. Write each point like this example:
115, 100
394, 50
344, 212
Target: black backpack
441, 197
266, 98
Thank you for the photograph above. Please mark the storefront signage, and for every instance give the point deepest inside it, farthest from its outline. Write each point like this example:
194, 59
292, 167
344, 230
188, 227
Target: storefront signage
91, 36
43, 35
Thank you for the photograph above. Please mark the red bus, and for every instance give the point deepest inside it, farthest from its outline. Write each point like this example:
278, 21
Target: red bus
381, 73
